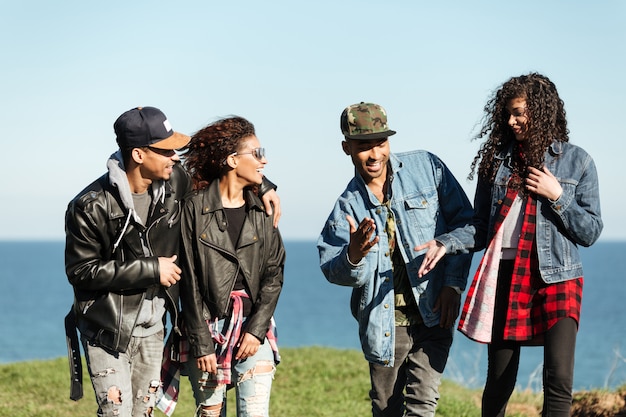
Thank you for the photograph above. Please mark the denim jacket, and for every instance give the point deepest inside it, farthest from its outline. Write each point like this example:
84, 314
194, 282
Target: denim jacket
426, 200
573, 219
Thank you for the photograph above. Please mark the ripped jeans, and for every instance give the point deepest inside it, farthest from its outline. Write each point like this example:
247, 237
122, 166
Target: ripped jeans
252, 387
125, 384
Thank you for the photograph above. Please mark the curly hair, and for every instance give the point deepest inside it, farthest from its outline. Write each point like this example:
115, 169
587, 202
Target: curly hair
205, 156
546, 124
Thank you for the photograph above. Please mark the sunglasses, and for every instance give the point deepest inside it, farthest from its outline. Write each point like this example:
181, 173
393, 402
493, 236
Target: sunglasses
258, 153
164, 152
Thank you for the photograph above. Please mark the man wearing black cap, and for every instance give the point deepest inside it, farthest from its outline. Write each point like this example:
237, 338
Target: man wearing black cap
394, 203
122, 240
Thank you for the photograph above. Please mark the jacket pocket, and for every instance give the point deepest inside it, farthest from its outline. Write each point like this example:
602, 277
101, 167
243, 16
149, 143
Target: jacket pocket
422, 209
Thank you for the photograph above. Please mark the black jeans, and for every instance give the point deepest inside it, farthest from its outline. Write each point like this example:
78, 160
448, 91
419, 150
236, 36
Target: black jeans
411, 386
558, 368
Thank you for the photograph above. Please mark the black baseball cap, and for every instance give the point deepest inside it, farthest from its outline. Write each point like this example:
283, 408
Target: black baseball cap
147, 126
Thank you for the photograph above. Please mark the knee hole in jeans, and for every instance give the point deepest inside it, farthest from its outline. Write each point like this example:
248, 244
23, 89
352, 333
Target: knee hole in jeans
257, 404
210, 410
261, 368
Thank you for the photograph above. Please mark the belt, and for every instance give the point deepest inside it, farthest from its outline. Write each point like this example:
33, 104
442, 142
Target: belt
73, 356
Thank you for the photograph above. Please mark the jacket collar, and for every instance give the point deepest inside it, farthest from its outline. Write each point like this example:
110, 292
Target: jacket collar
212, 204
212, 200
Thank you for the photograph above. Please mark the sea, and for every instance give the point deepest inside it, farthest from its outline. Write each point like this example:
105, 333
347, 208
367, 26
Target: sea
35, 296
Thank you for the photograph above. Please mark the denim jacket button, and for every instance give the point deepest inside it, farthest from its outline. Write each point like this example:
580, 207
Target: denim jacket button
387, 334
386, 305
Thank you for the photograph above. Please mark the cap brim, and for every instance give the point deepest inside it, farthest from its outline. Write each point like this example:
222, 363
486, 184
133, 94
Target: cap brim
373, 136
176, 141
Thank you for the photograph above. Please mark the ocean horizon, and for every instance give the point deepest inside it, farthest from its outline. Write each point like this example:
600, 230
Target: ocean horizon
36, 296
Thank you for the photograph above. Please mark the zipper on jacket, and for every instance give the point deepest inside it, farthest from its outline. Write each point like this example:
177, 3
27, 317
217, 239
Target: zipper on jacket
236, 259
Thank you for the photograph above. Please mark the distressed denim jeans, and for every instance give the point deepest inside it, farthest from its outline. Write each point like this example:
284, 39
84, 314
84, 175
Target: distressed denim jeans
252, 387
125, 384
411, 386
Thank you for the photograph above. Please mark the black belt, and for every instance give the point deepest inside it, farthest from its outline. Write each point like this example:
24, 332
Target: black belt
73, 356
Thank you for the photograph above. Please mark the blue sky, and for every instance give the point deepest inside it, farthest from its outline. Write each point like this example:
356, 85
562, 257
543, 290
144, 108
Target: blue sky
70, 68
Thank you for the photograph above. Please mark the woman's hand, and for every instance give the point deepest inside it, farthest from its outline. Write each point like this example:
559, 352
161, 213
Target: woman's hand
247, 346
543, 183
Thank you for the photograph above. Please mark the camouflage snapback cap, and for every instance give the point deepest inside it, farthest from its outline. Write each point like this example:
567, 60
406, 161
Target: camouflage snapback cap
365, 121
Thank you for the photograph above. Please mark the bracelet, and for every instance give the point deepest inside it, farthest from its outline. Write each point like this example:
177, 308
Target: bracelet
349, 261
455, 288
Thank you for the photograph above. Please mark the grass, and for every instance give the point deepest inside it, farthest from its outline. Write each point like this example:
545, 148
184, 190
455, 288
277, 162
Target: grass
311, 381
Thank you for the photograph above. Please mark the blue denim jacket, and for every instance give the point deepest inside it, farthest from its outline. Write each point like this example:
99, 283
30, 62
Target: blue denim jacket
573, 219
426, 200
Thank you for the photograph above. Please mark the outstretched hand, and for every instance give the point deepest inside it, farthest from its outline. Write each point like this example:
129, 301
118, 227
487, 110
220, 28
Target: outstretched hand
435, 252
361, 239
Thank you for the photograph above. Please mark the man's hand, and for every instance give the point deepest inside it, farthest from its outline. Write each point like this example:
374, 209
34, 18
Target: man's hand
435, 252
448, 302
272, 205
169, 271
543, 183
207, 363
361, 239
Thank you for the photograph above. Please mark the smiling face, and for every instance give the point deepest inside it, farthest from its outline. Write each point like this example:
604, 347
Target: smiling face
518, 118
369, 157
250, 161
157, 164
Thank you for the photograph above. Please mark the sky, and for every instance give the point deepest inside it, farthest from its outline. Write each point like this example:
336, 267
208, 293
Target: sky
70, 68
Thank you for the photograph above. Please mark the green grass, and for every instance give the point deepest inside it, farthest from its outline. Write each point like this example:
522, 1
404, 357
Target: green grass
311, 381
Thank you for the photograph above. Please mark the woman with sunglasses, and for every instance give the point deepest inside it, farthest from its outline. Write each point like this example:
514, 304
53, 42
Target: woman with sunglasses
232, 261
536, 201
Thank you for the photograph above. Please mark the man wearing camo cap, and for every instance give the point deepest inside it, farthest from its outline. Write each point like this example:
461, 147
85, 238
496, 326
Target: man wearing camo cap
394, 203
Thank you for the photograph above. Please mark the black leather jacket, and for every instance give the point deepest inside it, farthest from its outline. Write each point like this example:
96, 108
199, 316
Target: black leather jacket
105, 260
211, 263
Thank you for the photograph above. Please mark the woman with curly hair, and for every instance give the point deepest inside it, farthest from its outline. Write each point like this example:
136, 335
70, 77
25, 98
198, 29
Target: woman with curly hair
536, 200
232, 263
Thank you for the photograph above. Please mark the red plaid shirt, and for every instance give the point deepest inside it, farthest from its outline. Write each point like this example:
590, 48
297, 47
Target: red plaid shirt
534, 306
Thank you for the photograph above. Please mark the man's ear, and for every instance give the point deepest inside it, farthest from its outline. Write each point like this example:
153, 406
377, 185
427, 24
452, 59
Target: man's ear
346, 147
138, 155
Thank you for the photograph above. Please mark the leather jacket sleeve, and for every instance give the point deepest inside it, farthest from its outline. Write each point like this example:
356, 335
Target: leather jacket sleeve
266, 186
89, 259
270, 286
195, 313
